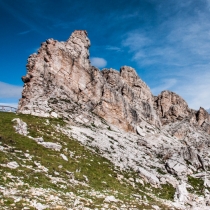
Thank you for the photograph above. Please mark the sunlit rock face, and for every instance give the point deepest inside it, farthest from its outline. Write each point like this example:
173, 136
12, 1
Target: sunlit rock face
61, 82
60, 79
172, 109
59, 71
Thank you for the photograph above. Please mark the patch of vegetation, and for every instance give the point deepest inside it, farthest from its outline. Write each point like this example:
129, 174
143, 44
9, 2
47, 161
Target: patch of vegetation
188, 162
159, 156
160, 171
89, 137
166, 191
197, 184
65, 100
112, 138
93, 125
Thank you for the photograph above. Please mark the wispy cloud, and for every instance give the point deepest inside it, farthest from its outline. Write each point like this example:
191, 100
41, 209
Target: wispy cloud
195, 89
181, 39
136, 41
176, 51
166, 84
98, 62
21, 13
15, 105
9, 91
114, 48
24, 32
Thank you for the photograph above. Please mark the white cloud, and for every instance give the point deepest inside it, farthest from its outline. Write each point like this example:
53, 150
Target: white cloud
15, 105
176, 52
136, 41
10, 91
166, 84
114, 48
98, 62
24, 32
195, 90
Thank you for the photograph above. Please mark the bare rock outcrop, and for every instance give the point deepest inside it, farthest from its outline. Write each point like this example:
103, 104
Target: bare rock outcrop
61, 80
203, 119
174, 111
171, 107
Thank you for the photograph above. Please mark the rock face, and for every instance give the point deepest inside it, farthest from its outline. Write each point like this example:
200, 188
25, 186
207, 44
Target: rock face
60, 82
172, 108
58, 72
61, 79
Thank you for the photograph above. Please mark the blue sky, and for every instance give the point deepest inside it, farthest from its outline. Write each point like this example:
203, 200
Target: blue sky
166, 41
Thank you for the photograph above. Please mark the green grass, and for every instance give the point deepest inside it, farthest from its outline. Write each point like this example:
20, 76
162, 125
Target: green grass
197, 184
166, 191
160, 171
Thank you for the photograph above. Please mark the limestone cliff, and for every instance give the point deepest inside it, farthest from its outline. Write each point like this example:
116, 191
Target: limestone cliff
172, 109
60, 79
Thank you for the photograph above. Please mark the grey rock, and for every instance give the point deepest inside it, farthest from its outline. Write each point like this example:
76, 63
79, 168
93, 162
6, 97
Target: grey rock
20, 127
181, 195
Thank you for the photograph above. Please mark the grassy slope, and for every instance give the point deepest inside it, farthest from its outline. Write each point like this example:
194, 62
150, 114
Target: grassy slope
101, 174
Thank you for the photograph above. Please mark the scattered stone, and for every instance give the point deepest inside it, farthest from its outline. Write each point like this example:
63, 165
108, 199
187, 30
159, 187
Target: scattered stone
156, 207
51, 145
149, 176
38, 140
39, 206
110, 199
64, 157
20, 127
53, 114
12, 165
140, 132
181, 194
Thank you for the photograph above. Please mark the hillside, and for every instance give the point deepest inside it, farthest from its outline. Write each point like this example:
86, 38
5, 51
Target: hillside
64, 174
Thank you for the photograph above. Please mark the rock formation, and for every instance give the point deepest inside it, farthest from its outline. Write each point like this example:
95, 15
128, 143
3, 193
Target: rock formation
172, 108
60, 78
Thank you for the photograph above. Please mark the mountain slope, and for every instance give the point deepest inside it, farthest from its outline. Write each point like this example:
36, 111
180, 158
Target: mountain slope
66, 177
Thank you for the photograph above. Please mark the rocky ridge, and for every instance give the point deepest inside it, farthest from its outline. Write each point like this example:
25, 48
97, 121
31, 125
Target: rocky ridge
158, 137
60, 77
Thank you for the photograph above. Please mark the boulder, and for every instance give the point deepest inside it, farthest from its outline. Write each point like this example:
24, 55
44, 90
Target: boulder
181, 194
